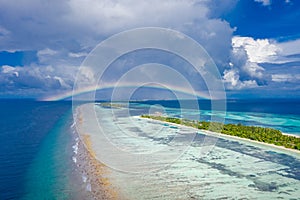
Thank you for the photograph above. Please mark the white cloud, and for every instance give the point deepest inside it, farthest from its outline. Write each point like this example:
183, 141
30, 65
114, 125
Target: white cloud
232, 80
46, 54
289, 47
62, 82
232, 77
267, 51
269, 2
253, 69
285, 77
264, 2
249, 55
85, 22
289, 52
245, 70
258, 51
81, 24
63, 32
77, 55
46, 51
110, 16
34, 77
7, 69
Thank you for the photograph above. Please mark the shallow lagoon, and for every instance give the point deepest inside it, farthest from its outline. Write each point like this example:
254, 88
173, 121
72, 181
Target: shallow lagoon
155, 160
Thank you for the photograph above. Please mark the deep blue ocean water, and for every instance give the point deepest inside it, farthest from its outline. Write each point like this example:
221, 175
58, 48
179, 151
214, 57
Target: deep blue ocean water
36, 140
25, 126
274, 106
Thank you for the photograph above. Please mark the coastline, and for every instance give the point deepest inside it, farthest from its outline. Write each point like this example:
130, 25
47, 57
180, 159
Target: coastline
235, 138
253, 142
106, 184
94, 173
297, 136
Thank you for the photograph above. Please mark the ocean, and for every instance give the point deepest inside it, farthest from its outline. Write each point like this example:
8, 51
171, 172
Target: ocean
37, 140
32, 137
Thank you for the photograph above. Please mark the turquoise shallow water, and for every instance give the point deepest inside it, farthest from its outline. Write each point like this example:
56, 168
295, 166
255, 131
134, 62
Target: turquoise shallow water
53, 174
37, 154
287, 123
146, 161
29, 131
282, 114
49, 174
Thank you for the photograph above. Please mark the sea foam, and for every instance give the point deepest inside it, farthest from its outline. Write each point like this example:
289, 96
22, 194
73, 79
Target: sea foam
84, 178
74, 159
89, 187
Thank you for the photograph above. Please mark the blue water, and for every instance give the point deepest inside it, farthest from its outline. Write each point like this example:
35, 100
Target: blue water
274, 106
281, 114
36, 140
25, 126
231, 169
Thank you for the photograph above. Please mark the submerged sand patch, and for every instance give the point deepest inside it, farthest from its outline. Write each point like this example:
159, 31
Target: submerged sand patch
232, 170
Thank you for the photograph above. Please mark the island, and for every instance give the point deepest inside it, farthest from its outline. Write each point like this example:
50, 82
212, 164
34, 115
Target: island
260, 134
232, 167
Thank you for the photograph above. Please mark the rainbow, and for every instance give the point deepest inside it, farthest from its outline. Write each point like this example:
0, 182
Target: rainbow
73, 93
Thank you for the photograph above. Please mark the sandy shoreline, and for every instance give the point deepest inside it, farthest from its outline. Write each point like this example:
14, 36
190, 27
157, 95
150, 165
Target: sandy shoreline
98, 175
297, 136
235, 138
95, 174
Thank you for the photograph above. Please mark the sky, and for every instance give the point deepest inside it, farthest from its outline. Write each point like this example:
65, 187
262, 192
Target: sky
255, 44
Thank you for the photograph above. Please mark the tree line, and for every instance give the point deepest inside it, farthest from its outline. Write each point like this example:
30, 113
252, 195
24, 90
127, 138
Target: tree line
261, 134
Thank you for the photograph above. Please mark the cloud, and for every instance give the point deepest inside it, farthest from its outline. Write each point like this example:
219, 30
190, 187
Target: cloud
78, 25
111, 16
269, 2
63, 32
286, 78
254, 70
264, 2
258, 51
232, 80
249, 56
7, 69
45, 54
83, 23
266, 50
35, 79
289, 47
262, 62
77, 55
245, 69
46, 51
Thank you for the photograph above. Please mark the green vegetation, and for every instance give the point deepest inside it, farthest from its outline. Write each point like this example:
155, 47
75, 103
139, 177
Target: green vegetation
267, 135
